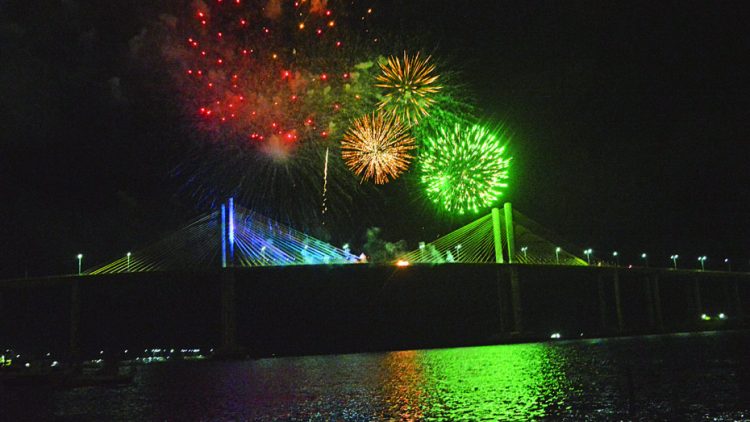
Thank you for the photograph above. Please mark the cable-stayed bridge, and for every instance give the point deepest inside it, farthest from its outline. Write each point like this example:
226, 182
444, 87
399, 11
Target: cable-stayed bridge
238, 237
235, 279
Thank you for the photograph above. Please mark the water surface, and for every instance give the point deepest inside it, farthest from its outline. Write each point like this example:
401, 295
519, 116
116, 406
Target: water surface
683, 377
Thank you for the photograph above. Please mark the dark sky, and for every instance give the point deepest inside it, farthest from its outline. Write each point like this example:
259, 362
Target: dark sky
630, 125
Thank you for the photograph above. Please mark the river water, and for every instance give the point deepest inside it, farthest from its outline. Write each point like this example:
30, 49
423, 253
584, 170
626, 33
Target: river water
699, 376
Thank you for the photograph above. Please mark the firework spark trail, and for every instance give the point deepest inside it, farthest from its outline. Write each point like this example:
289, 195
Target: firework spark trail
377, 146
324, 206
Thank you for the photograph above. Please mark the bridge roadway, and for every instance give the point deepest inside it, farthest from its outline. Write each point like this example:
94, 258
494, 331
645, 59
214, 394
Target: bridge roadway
327, 309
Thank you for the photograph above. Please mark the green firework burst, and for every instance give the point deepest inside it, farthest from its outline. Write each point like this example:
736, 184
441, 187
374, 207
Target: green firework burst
464, 168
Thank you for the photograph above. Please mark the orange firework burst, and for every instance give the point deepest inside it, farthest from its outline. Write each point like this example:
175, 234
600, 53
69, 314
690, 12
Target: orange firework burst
377, 147
409, 86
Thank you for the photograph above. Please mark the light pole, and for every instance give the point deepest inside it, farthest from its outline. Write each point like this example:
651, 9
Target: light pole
729, 264
674, 260
80, 258
128, 256
588, 253
458, 251
645, 259
617, 258
702, 260
524, 249
557, 255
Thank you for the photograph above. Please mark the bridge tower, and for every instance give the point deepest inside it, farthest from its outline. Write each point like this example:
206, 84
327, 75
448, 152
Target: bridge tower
509, 235
496, 229
223, 226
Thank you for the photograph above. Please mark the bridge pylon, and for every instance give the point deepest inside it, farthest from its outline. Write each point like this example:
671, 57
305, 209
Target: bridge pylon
492, 239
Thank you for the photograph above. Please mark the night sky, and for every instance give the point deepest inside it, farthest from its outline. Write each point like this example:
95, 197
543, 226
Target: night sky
630, 126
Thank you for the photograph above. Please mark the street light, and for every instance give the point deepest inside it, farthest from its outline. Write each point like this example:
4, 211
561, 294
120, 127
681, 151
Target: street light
674, 260
80, 258
702, 260
729, 264
458, 250
557, 255
617, 258
524, 249
588, 253
645, 258
128, 256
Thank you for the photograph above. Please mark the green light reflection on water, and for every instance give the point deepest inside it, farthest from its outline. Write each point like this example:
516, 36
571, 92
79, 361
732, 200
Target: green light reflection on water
515, 382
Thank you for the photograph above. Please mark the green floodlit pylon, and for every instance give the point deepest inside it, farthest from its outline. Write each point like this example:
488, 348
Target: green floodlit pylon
464, 169
475, 243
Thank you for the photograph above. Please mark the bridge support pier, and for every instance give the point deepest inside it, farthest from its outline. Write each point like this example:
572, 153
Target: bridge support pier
602, 302
657, 302
618, 300
737, 305
502, 301
515, 297
75, 322
654, 300
697, 307
229, 347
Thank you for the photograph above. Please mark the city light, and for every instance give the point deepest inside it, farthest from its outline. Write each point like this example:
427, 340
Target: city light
616, 255
645, 259
674, 260
402, 263
557, 255
702, 260
588, 253
80, 258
